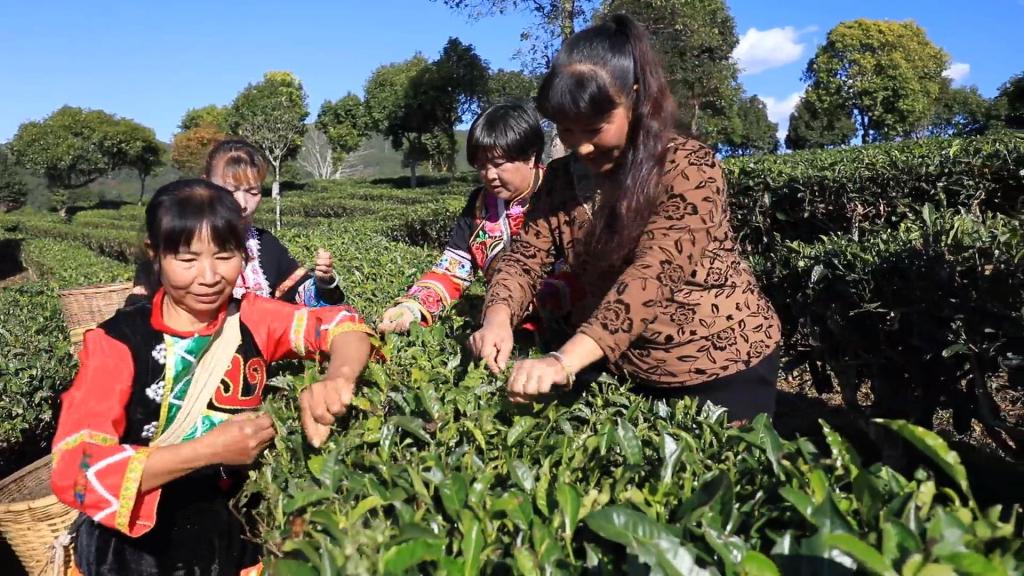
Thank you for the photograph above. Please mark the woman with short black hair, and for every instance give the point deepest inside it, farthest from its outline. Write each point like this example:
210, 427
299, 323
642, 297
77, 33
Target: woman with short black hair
505, 144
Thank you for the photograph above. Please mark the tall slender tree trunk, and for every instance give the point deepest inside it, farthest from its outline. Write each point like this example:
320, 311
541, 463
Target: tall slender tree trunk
412, 173
142, 188
275, 192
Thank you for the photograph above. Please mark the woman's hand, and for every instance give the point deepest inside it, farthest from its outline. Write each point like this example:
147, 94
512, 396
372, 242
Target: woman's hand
493, 343
239, 440
321, 403
535, 377
396, 319
323, 268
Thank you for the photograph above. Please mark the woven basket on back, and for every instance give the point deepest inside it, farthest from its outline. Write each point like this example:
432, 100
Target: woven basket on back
86, 307
31, 518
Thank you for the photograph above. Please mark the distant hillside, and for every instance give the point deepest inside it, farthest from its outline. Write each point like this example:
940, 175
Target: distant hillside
375, 159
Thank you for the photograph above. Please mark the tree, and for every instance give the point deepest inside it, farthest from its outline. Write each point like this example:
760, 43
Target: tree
696, 39
271, 114
554, 22
12, 187
68, 148
959, 112
395, 110
189, 148
132, 145
886, 75
450, 90
752, 132
343, 124
510, 86
813, 125
211, 115
317, 156
1008, 107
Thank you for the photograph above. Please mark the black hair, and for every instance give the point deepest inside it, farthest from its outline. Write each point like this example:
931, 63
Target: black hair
183, 209
510, 130
608, 65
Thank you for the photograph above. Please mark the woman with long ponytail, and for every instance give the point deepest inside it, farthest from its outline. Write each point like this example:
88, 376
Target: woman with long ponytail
639, 215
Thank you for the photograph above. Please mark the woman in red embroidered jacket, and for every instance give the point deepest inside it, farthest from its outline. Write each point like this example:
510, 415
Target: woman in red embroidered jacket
505, 144
155, 506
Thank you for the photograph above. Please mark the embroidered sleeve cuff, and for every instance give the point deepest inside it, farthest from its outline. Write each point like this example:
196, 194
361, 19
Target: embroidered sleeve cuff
136, 513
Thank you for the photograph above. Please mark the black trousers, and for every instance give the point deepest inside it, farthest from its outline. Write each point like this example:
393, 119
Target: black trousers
744, 394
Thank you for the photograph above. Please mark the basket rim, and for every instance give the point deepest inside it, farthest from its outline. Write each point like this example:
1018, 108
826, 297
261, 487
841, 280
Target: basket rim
18, 505
96, 288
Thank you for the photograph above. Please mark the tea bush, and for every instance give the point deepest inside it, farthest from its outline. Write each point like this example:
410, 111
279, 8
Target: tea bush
899, 265
68, 265
855, 191
435, 472
35, 366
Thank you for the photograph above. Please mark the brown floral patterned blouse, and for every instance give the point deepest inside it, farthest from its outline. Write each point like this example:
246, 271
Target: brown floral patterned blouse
686, 310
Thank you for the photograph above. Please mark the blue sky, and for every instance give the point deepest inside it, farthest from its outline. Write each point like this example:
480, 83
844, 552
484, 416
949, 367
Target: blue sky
150, 61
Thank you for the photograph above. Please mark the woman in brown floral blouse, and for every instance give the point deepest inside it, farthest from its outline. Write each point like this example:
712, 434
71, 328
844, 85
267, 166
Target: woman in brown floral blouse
640, 216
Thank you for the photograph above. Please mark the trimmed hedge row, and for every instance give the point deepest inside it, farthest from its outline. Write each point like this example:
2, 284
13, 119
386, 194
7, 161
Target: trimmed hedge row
928, 313
67, 264
851, 191
36, 364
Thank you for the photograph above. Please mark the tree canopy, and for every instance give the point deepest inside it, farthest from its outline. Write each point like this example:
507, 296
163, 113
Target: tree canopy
886, 75
271, 114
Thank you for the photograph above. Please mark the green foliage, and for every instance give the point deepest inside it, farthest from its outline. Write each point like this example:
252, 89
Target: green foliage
899, 265
271, 115
1009, 103
815, 124
121, 244
509, 86
926, 313
35, 366
210, 115
417, 104
344, 123
67, 264
752, 132
132, 145
13, 190
886, 75
434, 472
805, 195
73, 147
393, 106
960, 112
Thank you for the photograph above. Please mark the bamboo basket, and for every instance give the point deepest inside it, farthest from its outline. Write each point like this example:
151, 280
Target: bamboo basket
32, 519
86, 307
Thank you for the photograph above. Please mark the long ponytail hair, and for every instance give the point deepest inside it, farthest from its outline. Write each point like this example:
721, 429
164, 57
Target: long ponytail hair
608, 65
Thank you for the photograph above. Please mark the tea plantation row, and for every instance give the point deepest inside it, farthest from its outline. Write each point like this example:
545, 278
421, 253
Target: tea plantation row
899, 266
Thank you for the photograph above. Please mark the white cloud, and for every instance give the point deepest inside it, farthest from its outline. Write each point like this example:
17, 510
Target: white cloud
761, 50
957, 71
780, 109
